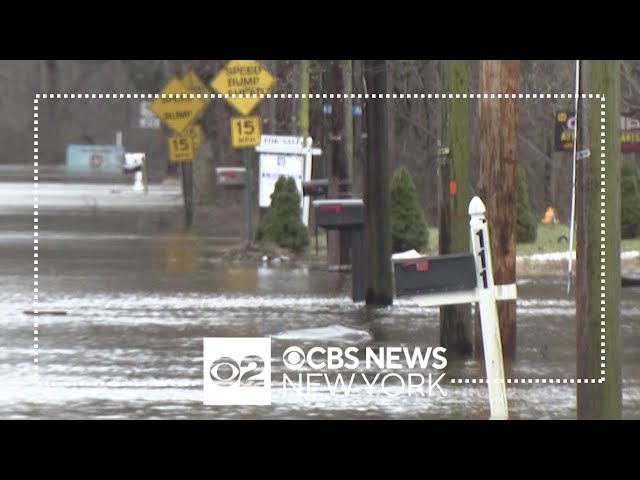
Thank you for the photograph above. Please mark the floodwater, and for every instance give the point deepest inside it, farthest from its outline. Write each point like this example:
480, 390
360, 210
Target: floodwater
140, 294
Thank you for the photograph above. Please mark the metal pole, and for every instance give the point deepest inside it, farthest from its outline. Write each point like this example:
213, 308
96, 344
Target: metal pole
573, 179
308, 163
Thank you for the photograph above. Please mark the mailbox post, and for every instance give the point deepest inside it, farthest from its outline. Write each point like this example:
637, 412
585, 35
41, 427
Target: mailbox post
313, 189
464, 278
347, 216
236, 177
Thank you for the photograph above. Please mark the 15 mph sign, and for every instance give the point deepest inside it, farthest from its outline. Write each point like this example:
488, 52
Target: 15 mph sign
243, 77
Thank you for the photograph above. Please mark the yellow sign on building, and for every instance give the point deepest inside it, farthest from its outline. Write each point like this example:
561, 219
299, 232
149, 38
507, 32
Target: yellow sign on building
181, 148
246, 78
177, 113
245, 131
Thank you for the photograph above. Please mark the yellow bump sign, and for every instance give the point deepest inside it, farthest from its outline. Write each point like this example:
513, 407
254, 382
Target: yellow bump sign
245, 131
177, 113
243, 77
192, 81
181, 148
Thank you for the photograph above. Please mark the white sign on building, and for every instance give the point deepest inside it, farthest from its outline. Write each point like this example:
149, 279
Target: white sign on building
272, 167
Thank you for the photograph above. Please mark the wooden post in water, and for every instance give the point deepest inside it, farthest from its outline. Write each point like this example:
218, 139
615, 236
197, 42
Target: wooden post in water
497, 180
377, 198
455, 320
187, 192
599, 389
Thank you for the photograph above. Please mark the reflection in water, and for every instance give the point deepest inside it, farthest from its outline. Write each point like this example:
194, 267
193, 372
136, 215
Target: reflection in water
180, 255
139, 305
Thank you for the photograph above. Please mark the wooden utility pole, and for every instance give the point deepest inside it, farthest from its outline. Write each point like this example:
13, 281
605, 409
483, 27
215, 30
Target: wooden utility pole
303, 101
347, 149
337, 171
325, 122
497, 181
347, 112
358, 144
455, 320
377, 198
599, 393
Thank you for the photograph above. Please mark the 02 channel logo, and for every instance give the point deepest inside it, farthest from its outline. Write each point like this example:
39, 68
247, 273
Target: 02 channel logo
237, 371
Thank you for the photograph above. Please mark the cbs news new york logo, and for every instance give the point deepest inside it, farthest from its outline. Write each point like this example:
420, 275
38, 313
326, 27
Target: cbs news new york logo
237, 371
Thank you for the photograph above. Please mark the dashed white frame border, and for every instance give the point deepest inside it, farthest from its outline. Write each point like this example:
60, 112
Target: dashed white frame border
114, 384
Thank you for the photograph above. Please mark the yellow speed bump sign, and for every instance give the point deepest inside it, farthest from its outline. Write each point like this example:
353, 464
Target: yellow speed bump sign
177, 112
192, 81
246, 78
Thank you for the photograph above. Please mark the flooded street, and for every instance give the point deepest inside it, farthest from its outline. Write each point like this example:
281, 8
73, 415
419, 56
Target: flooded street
140, 294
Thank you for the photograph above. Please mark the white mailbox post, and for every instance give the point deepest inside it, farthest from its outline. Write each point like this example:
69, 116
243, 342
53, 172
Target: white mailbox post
449, 280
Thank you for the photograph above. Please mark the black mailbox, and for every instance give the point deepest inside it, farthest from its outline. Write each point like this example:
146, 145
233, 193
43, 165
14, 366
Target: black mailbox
347, 215
316, 188
444, 273
339, 214
231, 176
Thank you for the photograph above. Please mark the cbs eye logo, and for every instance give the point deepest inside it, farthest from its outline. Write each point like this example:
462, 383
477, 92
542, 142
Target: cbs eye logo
293, 358
227, 372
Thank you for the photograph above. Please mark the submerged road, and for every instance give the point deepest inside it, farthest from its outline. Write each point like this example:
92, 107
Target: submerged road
140, 293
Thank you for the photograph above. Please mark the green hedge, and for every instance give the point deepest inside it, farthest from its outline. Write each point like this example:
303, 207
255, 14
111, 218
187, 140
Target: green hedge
630, 199
282, 223
526, 224
408, 226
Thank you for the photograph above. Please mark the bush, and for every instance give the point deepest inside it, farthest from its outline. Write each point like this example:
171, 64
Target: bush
630, 200
527, 224
408, 226
282, 223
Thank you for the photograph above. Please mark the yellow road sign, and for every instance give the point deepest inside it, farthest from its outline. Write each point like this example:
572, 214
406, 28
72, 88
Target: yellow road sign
181, 148
245, 131
195, 132
192, 81
243, 77
177, 113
